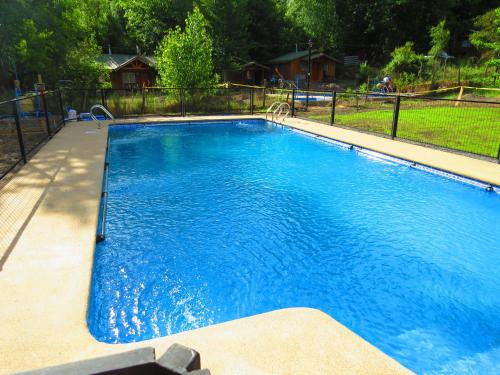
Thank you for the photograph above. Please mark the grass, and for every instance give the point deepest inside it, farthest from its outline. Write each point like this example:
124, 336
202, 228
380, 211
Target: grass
470, 129
166, 105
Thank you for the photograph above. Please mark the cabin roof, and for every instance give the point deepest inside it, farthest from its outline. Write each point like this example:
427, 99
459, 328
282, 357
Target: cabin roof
255, 63
303, 55
117, 61
289, 57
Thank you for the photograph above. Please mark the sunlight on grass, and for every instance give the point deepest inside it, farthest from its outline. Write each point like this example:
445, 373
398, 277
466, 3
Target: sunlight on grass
468, 129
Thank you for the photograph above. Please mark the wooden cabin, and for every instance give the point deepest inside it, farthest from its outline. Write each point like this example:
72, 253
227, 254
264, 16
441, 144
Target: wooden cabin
293, 66
129, 71
254, 73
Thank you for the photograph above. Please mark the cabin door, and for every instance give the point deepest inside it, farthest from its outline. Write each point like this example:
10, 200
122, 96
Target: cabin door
317, 69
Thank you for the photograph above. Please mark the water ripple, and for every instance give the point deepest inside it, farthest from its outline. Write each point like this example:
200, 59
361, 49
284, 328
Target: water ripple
208, 223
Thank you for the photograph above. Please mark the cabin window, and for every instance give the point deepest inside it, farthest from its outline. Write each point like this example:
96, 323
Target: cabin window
128, 78
326, 67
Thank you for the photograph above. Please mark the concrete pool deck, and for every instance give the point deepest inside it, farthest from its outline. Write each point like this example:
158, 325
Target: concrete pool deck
48, 213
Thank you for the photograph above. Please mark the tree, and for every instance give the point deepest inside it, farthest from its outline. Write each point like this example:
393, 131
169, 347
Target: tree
108, 24
43, 37
440, 37
269, 31
373, 28
405, 60
184, 58
228, 23
319, 20
81, 65
487, 38
148, 20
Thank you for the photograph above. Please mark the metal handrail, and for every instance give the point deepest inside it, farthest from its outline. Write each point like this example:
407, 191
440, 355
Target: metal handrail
279, 108
271, 108
102, 108
282, 107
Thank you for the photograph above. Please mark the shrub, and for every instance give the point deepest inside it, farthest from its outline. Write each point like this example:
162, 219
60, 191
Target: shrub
405, 60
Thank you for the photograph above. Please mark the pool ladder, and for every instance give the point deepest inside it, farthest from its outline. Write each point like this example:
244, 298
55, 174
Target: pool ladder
278, 109
102, 108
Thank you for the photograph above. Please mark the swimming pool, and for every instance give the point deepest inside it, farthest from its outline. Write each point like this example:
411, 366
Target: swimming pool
210, 222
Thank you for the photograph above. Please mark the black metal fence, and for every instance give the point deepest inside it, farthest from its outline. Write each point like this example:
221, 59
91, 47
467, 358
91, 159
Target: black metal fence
465, 125
25, 124
162, 101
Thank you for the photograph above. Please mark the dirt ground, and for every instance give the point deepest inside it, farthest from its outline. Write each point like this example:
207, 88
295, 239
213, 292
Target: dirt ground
33, 132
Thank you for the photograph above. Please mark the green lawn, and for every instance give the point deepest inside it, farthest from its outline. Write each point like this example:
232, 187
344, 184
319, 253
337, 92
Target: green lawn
471, 129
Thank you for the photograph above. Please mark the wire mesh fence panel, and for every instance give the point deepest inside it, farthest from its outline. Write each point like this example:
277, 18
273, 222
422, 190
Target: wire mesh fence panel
216, 100
478, 94
261, 99
467, 126
124, 102
54, 110
162, 101
203, 101
365, 111
81, 99
278, 95
239, 100
10, 153
33, 123
314, 105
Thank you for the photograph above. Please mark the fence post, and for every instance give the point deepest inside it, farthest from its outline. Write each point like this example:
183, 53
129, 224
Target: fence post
183, 109
228, 100
498, 155
251, 100
395, 117
293, 102
19, 133
47, 123
143, 106
334, 102
264, 96
61, 107
103, 100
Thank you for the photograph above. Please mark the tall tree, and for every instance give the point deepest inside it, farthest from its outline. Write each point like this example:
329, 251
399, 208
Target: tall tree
184, 57
269, 32
319, 20
43, 37
440, 37
228, 24
147, 21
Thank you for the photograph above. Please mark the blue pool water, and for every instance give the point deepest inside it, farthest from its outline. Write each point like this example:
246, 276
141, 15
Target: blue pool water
212, 222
